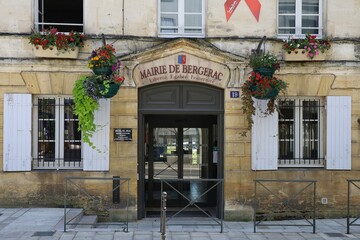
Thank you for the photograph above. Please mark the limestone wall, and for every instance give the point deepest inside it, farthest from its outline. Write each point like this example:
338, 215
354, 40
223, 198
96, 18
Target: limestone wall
307, 79
139, 18
21, 72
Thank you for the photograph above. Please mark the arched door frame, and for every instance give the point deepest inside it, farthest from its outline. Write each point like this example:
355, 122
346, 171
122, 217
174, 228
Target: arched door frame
177, 98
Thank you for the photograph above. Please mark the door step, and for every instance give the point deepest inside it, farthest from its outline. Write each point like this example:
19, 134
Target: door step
76, 219
87, 222
151, 214
73, 216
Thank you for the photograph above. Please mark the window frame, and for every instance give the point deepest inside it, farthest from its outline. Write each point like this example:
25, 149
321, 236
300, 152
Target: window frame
337, 139
298, 21
298, 138
59, 161
181, 22
45, 25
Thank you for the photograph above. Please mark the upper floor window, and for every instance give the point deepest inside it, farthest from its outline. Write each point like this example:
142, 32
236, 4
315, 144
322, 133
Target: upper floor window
299, 17
65, 15
181, 18
57, 141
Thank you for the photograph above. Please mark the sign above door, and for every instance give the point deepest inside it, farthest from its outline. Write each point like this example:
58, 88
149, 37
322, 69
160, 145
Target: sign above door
189, 60
182, 67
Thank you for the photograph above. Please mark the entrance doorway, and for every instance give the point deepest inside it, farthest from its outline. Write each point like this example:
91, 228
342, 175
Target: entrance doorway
182, 146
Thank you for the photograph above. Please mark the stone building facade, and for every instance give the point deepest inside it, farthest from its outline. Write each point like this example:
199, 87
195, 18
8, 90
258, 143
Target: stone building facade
200, 95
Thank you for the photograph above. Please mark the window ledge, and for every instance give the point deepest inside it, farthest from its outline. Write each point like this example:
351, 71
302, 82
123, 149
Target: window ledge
300, 165
162, 35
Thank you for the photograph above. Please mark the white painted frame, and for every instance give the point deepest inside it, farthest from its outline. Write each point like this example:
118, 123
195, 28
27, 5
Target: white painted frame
298, 21
59, 135
338, 144
298, 138
181, 22
17, 132
38, 21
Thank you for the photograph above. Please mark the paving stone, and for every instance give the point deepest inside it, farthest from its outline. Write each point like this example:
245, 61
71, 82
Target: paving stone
23, 223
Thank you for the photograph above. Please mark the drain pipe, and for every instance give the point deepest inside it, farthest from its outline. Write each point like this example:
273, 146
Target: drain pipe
123, 17
258, 49
163, 216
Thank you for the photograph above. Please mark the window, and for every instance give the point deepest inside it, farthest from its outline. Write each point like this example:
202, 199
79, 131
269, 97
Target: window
300, 133
65, 15
299, 17
181, 18
57, 142
41, 133
295, 137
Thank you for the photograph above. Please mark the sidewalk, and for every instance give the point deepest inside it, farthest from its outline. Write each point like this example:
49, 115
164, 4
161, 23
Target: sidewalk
46, 224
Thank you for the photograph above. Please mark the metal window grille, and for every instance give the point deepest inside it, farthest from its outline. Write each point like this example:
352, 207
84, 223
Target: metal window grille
300, 133
57, 141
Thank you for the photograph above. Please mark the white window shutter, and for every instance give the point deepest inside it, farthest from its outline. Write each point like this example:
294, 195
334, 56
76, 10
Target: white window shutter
338, 133
264, 138
98, 159
17, 132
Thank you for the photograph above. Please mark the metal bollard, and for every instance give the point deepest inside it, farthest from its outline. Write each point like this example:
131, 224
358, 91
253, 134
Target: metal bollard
163, 216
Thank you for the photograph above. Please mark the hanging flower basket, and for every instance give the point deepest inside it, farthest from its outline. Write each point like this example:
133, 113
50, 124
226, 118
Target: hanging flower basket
263, 95
102, 60
265, 64
265, 71
104, 70
112, 91
260, 87
104, 83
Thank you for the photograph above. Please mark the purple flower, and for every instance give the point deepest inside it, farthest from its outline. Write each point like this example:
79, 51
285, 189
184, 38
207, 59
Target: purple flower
116, 66
93, 54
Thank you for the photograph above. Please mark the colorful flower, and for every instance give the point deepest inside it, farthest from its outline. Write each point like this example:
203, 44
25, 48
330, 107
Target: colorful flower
52, 38
102, 57
267, 60
310, 44
264, 86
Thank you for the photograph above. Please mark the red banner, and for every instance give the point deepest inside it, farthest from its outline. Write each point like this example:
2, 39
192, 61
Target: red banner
254, 5
230, 6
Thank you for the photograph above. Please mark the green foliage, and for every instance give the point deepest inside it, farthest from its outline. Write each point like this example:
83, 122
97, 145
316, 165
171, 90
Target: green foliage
84, 108
51, 38
102, 57
310, 44
89, 89
260, 87
264, 61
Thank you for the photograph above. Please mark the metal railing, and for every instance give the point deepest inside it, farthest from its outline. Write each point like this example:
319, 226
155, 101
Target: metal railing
96, 196
293, 199
163, 216
354, 183
191, 201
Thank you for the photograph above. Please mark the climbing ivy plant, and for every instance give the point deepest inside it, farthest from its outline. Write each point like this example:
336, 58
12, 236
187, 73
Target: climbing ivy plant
84, 108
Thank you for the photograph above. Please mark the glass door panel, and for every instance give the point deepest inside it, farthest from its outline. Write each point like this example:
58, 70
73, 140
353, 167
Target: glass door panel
195, 151
179, 148
165, 161
195, 155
